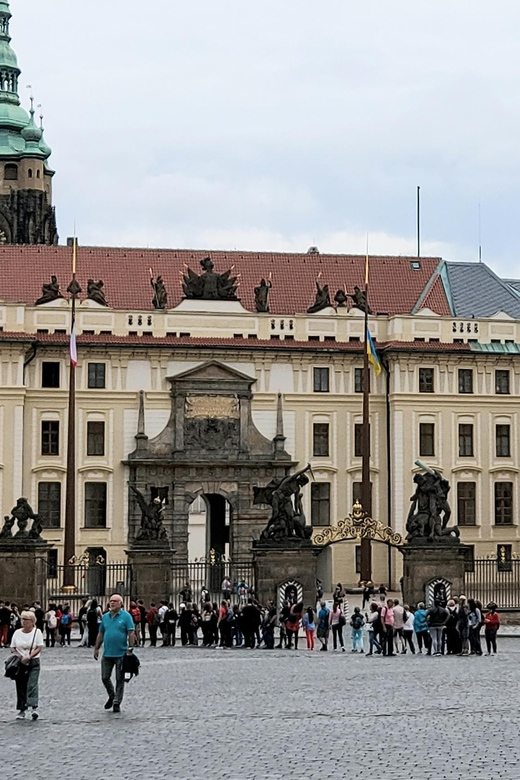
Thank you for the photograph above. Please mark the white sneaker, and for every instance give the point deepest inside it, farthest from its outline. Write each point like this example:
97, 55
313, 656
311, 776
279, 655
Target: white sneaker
21, 715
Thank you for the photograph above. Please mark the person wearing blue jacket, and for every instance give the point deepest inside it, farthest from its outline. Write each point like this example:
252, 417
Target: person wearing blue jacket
420, 626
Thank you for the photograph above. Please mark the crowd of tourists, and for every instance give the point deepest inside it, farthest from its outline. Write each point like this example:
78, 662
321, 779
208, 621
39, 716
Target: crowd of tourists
386, 628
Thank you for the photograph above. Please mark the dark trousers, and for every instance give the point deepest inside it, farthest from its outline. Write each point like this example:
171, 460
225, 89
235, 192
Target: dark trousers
268, 636
170, 635
408, 638
107, 667
65, 635
491, 639
50, 637
388, 640
249, 636
423, 637
337, 633
225, 633
27, 685
453, 643
290, 635
143, 632
153, 635
474, 640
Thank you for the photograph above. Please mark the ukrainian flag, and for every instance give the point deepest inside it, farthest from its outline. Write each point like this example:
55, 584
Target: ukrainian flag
372, 354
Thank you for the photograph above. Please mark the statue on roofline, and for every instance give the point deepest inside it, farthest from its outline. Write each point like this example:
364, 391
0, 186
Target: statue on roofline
50, 292
360, 300
262, 295
95, 292
322, 299
210, 285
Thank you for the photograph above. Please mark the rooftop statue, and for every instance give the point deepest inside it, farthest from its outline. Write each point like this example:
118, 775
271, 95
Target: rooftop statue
430, 511
160, 298
360, 300
262, 295
209, 285
152, 528
341, 298
322, 299
95, 292
287, 522
50, 292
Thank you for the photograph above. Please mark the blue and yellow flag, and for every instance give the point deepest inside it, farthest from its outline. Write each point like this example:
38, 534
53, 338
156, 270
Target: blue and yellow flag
372, 354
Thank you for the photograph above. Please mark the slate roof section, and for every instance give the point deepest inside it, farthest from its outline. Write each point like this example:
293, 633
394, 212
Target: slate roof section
477, 291
395, 287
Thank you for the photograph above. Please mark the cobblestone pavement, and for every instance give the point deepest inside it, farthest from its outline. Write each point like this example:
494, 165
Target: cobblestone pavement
196, 714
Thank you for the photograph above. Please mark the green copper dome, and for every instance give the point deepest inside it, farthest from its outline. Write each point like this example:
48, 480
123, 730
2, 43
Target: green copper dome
19, 134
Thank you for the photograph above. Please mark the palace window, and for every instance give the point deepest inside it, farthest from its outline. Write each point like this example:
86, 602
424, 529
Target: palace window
503, 503
465, 440
49, 504
50, 437
50, 374
426, 380
502, 382
95, 437
96, 375
358, 440
503, 441
426, 439
320, 440
95, 504
52, 564
466, 492
321, 380
358, 380
320, 503
465, 380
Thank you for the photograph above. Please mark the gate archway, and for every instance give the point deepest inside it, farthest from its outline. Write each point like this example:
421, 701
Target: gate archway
355, 527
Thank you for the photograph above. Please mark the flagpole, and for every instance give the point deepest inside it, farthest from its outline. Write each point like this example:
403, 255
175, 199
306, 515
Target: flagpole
69, 546
366, 493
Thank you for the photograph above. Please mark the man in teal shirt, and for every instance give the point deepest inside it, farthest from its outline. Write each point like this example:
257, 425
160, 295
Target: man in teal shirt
117, 632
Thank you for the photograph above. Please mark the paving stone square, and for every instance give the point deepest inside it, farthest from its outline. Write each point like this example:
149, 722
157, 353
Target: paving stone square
196, 714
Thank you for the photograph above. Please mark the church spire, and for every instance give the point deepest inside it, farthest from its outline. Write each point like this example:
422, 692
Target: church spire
9, 70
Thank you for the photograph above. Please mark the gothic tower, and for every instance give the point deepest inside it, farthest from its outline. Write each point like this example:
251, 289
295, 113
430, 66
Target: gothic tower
26, 212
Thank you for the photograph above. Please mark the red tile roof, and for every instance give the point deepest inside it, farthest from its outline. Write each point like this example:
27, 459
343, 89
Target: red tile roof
394, 286
435, 299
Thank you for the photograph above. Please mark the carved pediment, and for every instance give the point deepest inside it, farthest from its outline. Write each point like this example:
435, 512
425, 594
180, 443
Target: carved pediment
212, 378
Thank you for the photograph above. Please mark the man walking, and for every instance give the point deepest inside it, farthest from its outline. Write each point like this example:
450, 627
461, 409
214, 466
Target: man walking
116, 631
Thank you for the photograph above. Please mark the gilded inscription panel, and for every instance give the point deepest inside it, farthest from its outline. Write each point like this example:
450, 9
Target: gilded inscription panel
213, 406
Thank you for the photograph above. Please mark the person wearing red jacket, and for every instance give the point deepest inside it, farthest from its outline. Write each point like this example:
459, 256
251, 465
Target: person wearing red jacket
492, 624
152, 618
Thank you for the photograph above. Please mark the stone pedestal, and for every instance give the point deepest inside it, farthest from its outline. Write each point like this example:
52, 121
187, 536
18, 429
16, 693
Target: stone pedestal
150, 567
280, 565
23, 570
433, 569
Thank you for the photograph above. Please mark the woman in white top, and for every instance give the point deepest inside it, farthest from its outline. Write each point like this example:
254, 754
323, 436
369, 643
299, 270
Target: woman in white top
27, 643
408, 629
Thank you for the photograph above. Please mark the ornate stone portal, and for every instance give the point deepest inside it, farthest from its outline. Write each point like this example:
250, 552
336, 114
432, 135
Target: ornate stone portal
210, 446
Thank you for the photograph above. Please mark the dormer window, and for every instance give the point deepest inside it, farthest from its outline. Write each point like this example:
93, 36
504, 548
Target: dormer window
11, 172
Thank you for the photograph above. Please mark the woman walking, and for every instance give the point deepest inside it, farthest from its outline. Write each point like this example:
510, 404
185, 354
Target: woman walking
337, 621
309, 626
27, 643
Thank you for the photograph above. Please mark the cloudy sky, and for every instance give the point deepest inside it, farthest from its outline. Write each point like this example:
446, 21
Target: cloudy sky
276, 125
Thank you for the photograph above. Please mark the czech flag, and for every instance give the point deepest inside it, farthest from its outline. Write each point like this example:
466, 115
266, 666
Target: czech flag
73, 349
372, 354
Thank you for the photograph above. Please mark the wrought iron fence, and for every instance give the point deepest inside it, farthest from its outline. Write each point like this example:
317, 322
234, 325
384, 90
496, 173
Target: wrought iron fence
187, 582
209, 576
492, 579
96, 580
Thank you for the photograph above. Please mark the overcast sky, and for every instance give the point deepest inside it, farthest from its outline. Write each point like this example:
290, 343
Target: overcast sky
276, 125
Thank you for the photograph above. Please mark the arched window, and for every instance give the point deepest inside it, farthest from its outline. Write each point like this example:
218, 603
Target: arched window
11, 172
30, 173
38, 173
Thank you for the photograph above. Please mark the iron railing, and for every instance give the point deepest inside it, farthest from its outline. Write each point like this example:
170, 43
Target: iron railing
98, 580
494, 580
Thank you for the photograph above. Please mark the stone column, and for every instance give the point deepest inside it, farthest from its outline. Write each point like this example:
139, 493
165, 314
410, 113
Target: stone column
23, 570
429, 564
278, 562
151, 575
